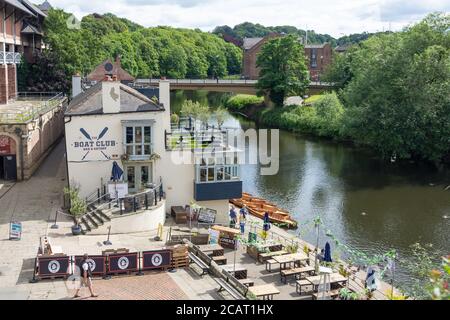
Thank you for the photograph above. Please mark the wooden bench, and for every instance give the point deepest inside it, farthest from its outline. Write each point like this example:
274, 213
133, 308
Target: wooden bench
247, 282
220, 260
295, 272
331, 294
224, 285
199, 262
269, 264
301, 284
236, 285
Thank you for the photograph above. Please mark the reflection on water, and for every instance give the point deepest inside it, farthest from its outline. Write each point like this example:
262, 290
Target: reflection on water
368, 204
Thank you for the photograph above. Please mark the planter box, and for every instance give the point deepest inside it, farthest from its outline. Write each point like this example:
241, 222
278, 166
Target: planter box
253, 252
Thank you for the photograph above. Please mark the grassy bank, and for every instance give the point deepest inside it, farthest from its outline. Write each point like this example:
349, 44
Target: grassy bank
321, 117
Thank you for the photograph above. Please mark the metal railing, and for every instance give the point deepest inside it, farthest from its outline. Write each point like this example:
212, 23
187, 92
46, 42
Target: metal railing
130, 203
214, 82
10, 57
40, 103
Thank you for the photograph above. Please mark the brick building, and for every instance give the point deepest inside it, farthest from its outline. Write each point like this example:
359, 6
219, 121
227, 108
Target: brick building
318, 57
30, 123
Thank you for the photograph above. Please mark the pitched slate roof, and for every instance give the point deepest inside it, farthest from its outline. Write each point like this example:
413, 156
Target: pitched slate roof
99, 72
34, 8
29, 28
90, 102
18, 5
251, 42
46, 6
315, 46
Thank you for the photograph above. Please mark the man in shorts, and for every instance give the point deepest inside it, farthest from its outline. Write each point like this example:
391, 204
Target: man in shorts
86, 277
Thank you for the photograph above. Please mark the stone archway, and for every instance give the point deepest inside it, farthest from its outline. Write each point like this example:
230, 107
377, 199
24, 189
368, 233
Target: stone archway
9, 151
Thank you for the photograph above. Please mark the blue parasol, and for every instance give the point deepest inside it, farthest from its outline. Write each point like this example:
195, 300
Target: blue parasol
117, 172
266, 222
327, 256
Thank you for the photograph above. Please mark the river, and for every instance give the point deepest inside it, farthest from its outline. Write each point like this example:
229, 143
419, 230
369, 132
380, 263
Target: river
369, 204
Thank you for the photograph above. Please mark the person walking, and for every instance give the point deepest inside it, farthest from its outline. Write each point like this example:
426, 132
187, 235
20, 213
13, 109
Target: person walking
86, 277
243, 219
233, 217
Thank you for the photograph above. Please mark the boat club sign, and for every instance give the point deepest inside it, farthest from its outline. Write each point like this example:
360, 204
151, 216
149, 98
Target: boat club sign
90, 145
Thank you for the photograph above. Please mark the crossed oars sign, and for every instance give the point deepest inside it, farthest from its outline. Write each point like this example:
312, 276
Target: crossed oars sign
100, 136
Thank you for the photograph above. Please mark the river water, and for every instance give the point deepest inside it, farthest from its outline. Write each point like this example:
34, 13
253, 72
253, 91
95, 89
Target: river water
369, 204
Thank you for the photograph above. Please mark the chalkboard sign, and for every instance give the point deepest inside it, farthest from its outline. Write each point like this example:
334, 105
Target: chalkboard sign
227, 242
207, 216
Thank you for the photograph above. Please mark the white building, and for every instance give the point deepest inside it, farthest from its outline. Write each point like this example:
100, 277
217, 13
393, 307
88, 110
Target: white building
114, 122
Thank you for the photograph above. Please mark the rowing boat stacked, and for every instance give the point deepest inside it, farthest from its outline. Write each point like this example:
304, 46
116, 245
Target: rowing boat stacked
258, 207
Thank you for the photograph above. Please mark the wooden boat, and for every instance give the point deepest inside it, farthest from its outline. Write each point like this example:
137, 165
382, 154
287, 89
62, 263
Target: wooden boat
258, 207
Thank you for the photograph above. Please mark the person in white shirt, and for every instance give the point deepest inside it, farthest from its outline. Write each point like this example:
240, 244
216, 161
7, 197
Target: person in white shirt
86, 277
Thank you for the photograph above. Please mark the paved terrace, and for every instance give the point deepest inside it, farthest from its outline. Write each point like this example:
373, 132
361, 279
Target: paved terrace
27, 106
35, 202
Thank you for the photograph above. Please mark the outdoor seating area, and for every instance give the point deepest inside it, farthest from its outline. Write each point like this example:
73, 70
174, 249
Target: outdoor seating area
278, 274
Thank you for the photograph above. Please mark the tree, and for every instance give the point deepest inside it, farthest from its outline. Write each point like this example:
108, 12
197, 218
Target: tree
283, 69
397, 97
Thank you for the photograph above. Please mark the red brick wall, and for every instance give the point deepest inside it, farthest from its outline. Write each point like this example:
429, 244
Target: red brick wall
3, 85
12, 81
324, 56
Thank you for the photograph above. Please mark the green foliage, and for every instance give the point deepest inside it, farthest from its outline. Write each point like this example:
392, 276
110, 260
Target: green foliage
424, 259
78, 206
221, 115
322, 118
196, 110
241, 101
397, 91
329, 112
251, 30
174, 118
145, 52
283, 69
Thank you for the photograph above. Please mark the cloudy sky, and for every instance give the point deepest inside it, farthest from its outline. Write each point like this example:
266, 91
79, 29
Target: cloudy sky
335, 17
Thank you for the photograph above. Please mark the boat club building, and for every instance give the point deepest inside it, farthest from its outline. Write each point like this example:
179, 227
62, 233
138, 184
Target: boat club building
113, 123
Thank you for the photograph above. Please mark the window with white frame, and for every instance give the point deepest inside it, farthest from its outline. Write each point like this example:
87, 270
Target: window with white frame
138, 140
213, 170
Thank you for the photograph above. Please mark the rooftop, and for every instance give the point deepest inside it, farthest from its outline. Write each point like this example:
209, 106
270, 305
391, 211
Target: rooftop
90, 102
29, 105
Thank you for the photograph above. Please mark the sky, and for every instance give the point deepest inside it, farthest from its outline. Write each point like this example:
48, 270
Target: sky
334, 17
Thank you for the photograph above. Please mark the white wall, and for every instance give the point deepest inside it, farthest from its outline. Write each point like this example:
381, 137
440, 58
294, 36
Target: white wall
142, 222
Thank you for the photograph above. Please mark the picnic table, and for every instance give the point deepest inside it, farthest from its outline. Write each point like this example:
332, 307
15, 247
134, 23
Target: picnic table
266, 256
266, 292
295, 258
239, 271
214, 249
335, 278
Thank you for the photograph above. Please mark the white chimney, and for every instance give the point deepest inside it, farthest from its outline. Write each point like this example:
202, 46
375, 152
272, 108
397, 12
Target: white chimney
164, 99
111, 96
76, 85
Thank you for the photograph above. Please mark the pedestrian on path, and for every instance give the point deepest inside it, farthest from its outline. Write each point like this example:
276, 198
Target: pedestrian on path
243, 219
86, 277
233, 217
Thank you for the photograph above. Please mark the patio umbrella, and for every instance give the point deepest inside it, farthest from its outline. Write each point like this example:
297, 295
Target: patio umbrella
266, 222
327, 256
117, 172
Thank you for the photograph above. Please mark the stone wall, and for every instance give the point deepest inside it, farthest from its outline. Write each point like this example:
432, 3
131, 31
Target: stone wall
42, 135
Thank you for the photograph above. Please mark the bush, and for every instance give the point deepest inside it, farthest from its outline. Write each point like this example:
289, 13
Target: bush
241, 101
329, 112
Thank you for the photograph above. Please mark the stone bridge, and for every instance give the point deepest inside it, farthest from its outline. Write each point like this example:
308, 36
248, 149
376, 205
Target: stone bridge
235, 86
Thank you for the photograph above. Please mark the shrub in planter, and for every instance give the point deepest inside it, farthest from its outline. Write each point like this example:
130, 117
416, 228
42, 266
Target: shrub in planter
78, 207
